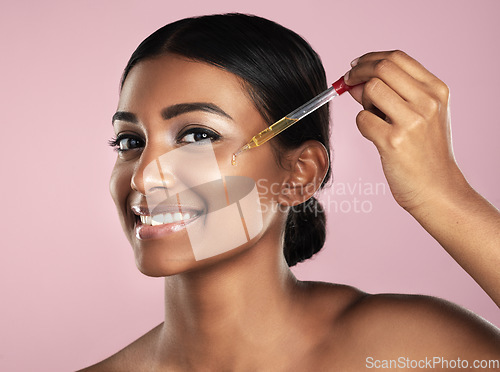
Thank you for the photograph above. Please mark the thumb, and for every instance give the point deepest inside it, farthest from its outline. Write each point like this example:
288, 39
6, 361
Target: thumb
373, 128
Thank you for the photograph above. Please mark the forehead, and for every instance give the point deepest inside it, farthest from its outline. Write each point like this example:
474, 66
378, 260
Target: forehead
172, 79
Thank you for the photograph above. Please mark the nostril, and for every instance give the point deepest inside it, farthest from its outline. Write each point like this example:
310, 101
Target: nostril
157, 189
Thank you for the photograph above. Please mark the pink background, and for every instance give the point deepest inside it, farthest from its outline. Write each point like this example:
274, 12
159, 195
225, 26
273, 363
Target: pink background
71, 294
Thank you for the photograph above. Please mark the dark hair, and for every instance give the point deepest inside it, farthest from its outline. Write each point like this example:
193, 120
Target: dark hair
281, 72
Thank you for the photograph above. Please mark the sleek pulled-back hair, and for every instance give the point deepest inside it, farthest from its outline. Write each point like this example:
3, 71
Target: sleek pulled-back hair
281, 72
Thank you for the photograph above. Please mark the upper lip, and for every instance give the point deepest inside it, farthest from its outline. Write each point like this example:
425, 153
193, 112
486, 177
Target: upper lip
144, 210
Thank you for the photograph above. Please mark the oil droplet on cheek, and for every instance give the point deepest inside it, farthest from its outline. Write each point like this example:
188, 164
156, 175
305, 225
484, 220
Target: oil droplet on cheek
233, 159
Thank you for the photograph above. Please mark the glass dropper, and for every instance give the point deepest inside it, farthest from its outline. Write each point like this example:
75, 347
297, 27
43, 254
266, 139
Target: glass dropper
336, 89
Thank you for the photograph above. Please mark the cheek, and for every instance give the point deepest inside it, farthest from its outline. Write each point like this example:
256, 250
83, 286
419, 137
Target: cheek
119, 185
260, 165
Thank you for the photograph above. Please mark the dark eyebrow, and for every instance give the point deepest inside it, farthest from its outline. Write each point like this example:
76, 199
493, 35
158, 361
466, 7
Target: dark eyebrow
175, 110
124, 116
182, 108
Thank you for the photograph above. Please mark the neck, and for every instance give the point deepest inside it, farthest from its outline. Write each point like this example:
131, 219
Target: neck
247, 298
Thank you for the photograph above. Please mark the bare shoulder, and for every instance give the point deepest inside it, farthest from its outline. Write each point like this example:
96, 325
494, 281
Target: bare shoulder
133, 357
336, 297
389, 326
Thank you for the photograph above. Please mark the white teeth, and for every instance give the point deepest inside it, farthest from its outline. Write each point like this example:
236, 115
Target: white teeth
168, 218
160, 219
146, 220
157, 220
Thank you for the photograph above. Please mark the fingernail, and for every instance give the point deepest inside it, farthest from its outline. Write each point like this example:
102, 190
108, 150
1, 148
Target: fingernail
346, 76
354, 62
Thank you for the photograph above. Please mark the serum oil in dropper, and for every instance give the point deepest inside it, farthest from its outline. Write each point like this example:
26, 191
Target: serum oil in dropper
265, 135
335, 90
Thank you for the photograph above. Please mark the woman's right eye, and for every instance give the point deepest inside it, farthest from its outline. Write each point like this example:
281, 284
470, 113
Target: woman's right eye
124, 143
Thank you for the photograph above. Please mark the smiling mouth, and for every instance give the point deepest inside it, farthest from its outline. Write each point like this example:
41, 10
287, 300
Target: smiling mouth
164, 218
161, 224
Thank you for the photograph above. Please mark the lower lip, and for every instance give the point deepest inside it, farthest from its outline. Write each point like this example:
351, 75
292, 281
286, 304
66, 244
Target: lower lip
146, 232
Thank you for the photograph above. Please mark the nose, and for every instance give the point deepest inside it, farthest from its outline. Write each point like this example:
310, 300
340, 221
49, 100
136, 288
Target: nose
152, 173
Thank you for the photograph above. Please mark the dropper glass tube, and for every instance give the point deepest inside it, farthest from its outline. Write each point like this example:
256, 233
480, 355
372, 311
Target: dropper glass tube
336, 89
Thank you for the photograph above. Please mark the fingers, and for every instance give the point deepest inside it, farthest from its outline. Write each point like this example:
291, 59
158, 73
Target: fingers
390, 73
356, 92
401, 59
378, 94
395, 86
401, 73
384, 112
406, 116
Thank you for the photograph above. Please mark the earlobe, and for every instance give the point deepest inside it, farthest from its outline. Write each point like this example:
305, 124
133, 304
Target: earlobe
308, 166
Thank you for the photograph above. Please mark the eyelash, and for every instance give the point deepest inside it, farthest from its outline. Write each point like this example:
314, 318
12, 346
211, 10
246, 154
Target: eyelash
206, 133
116, 141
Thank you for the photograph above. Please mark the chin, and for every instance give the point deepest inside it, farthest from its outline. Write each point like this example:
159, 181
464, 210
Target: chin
157, 269
156, 259
161, 262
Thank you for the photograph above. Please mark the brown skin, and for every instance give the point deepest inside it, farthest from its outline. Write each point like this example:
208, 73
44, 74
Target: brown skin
244, 310
410, 127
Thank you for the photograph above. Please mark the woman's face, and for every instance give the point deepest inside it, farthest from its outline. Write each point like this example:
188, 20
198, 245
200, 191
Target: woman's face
181, 203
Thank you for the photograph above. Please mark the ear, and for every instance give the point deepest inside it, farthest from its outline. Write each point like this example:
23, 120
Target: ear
307, 167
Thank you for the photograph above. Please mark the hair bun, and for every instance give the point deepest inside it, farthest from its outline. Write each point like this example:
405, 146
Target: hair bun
305, 231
